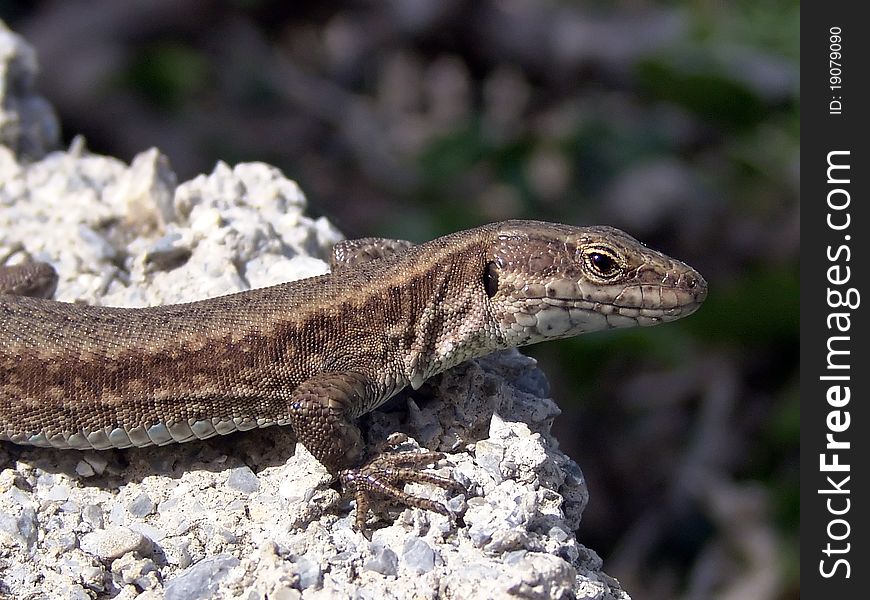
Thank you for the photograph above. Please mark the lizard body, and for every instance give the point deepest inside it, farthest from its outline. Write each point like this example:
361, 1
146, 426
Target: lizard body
319, 352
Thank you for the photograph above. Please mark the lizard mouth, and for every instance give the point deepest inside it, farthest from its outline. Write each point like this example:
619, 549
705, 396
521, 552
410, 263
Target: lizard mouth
544, 314
555, 317
639, 299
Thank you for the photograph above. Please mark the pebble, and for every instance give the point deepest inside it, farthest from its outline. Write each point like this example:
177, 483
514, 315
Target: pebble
489, 456
113, 542
243, 479
309, 572
141, 506
27, 525
84, 469
201, 580
383, 561
93, 516
418, 556
62, 543
132, 569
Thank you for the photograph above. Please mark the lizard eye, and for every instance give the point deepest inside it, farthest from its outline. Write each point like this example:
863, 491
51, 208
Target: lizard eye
490, 279
602, 263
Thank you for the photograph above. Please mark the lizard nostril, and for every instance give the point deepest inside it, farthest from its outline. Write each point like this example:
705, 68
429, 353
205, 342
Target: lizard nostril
696, 285
692, 280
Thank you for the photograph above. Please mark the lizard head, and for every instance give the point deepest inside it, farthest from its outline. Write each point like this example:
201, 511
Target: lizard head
548, 281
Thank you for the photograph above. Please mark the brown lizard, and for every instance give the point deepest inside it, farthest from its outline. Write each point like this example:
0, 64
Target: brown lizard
317, 353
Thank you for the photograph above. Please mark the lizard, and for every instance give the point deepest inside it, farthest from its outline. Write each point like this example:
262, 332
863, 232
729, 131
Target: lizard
317, 353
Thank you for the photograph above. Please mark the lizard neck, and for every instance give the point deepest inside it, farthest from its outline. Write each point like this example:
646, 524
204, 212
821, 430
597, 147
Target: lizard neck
437, 311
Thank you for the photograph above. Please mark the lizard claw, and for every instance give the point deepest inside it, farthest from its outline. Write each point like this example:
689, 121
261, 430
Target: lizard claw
383, 474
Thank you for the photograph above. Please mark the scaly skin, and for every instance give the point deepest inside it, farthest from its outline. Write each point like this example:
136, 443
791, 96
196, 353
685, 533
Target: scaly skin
319, 352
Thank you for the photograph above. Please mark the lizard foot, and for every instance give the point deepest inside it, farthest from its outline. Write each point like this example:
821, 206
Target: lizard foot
383, 474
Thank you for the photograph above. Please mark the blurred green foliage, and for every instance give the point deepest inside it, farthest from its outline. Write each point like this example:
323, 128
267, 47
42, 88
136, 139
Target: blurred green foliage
167, 74
758, 309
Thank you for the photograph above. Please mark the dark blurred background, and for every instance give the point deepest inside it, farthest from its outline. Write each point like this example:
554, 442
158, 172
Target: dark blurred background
677, 121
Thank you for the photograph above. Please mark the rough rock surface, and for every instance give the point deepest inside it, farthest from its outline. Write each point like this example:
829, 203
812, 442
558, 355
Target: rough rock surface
250, 515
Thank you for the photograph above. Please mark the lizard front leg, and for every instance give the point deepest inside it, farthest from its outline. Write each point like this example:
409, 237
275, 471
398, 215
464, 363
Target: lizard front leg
322, 410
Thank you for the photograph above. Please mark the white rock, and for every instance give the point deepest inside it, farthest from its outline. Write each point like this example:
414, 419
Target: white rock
290, 534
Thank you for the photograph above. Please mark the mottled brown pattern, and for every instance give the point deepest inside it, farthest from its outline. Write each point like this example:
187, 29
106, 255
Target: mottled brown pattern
390, 317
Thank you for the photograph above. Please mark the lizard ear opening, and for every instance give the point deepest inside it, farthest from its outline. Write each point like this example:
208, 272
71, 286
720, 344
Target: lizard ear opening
490, 279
